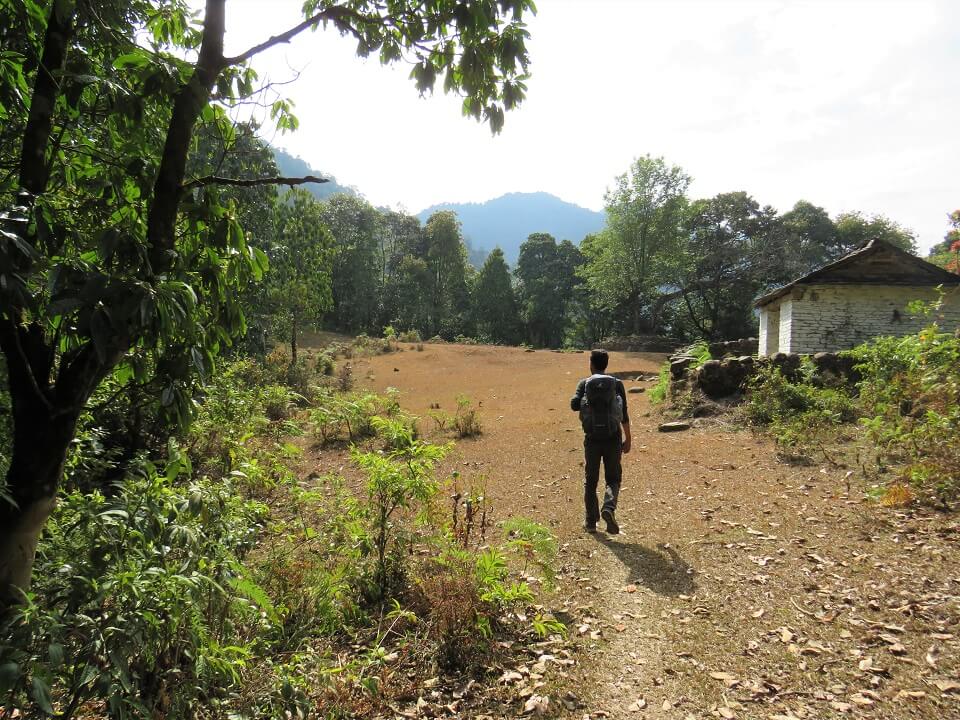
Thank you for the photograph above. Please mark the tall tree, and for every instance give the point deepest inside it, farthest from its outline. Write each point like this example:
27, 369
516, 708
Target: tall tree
495, 313
401, 238
855, 230
812, 238
731, 251
645, 212
300, 266
356, 229
548, 280
447, 261
110, 252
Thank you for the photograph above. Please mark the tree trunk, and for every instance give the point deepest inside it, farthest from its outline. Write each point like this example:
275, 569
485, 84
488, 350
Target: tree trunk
293, 340
40, 443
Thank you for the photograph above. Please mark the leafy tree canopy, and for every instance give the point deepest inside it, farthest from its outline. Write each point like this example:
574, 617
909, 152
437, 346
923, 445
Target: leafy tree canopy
115, 255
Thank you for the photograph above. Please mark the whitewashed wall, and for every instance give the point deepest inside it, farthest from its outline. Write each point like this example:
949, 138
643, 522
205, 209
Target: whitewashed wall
769, 340
837, 317
786, 324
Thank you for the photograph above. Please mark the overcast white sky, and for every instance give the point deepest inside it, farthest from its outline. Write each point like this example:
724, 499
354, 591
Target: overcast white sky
850, 104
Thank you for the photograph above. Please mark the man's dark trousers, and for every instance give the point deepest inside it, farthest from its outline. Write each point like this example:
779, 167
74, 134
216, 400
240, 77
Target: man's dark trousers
609, 451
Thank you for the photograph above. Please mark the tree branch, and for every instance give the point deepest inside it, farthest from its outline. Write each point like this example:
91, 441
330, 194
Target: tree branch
34, 167
19, 366
189, 102
332, 13
252, 182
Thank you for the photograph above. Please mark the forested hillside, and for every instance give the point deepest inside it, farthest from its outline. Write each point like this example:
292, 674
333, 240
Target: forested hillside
293, 166
664, 264
508, 220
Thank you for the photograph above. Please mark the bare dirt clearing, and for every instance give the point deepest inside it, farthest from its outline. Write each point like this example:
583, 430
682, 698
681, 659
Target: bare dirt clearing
739, 587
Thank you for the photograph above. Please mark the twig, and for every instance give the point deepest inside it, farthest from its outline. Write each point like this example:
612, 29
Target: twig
805, 612
337, 14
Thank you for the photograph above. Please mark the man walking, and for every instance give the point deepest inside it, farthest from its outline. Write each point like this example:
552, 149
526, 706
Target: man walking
602, 403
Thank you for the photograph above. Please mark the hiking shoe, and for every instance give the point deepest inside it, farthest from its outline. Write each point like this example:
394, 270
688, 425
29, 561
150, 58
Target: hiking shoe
612, 526
590, 527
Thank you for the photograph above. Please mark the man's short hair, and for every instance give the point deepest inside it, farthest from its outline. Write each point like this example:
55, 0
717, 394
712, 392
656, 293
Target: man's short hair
599, 359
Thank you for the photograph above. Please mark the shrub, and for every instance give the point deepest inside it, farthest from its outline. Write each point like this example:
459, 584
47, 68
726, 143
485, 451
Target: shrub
300, 378
466, 420
396, 482
348, 417
364, 345
324, 363
410, 336
276, 402
345, 378
398, 433
463, 595
153, 610
276, 362
440, 418
910, 399
468, 519
446, 593
907, 401
534, 544
801, 416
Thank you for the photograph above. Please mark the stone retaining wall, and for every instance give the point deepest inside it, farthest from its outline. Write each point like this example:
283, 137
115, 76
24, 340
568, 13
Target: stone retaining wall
641, 343
731, 376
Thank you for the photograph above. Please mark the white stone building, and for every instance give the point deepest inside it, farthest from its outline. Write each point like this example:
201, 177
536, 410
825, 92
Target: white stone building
860, 296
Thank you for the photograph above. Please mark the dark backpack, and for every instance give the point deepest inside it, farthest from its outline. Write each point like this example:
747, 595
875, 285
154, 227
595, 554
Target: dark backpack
601, 408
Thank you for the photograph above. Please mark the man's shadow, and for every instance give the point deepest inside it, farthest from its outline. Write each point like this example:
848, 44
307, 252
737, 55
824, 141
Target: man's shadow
662, 570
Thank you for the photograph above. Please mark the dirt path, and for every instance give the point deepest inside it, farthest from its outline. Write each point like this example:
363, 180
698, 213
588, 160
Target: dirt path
739, 587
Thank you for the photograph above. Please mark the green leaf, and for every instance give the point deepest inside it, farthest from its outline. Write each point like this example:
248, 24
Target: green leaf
256, 594
55, 652
40, 692
136, 59
9, 677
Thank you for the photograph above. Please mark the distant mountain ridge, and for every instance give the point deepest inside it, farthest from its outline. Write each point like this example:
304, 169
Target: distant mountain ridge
292, 166
506, 221
503, 222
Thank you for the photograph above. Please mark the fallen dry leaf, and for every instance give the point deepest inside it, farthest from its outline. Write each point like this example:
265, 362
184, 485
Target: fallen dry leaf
947, 686
537, 704
726, 678
912, 694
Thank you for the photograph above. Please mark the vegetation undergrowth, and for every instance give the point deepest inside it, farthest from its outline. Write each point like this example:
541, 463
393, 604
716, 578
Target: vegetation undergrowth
898, 420
202, 578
